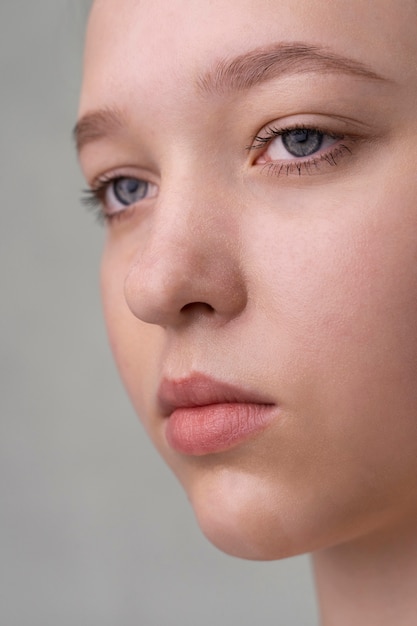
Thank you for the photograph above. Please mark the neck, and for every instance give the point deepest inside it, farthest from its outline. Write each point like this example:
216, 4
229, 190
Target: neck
369, 581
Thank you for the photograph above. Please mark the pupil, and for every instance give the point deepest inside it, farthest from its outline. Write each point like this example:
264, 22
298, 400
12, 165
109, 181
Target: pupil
302, 142
129, 190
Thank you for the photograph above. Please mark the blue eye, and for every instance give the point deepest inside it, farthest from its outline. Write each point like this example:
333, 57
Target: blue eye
114, 195
302, 142
128, 191
291, 146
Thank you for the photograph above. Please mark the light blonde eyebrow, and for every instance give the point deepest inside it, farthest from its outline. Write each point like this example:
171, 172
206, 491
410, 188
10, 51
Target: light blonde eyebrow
97, 125
263, 64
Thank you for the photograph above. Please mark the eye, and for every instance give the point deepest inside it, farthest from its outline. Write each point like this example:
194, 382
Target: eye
115, 196
126, 191
296, 143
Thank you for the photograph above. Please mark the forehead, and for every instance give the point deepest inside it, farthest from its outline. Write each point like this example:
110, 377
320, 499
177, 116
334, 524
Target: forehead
157, 46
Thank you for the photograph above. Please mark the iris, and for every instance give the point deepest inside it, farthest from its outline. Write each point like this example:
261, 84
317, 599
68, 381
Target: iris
128, 191
302, 142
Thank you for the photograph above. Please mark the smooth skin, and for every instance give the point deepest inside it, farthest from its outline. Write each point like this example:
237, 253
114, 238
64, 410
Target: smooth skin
294, 277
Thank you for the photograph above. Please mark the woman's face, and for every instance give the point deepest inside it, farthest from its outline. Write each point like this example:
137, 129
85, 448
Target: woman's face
257, 167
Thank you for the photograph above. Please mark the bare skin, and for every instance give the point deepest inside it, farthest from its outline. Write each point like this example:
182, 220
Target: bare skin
292, 276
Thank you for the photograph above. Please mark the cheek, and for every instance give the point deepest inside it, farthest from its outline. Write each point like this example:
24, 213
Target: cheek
341, 278
349, 295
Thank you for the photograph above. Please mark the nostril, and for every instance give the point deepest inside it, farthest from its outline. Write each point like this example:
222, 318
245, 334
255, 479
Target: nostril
198, 307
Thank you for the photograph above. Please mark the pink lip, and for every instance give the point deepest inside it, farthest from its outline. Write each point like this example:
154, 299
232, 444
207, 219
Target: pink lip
208, 416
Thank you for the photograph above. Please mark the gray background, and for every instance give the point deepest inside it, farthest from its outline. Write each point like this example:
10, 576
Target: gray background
94, 529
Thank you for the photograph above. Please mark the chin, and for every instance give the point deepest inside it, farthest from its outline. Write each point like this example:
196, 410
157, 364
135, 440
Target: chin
240, 516
254, 518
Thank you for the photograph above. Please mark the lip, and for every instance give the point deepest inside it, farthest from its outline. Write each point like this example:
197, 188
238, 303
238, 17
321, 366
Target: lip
205, 416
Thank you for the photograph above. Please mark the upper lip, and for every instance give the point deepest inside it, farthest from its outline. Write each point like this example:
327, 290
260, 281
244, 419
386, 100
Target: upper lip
201, 390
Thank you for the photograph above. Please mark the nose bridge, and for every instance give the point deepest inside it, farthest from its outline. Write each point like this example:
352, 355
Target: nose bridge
186, 218
190, 259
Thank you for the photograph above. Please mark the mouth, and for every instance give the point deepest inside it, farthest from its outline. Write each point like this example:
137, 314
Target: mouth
205, 416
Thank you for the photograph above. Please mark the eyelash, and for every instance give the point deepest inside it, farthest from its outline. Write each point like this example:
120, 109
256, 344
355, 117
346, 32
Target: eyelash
296, 165
93, 198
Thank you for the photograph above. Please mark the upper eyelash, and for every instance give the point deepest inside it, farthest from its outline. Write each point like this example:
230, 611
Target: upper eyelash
271, 132
92, 198
93, 195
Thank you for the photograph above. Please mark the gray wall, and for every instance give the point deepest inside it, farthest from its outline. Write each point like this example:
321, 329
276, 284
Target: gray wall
94, 529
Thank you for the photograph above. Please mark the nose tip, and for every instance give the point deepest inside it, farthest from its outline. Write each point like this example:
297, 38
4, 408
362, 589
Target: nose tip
173, 281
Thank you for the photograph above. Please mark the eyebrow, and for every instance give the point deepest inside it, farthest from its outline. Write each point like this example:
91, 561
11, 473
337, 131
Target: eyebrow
262, 64
98, 125
237, 74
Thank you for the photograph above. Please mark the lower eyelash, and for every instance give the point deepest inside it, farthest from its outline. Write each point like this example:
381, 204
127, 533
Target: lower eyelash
305, 166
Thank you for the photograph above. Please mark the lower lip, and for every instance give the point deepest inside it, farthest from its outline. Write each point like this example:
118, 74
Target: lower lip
216, 427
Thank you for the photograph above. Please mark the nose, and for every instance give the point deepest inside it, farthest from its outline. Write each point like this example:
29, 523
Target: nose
188, 266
